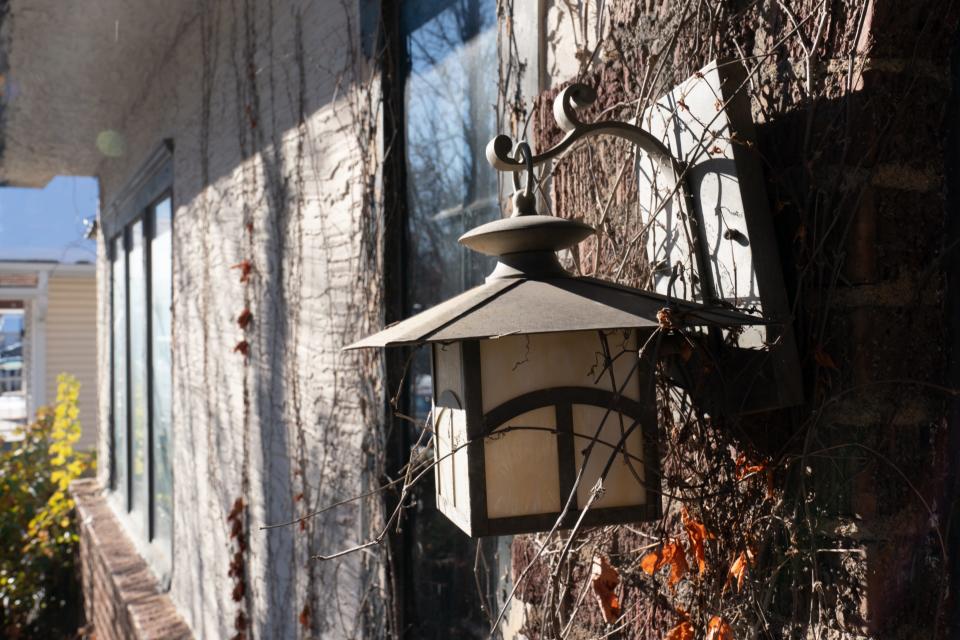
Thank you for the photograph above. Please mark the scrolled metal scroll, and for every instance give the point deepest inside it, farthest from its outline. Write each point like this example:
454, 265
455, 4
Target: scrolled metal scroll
500, 150
576, 96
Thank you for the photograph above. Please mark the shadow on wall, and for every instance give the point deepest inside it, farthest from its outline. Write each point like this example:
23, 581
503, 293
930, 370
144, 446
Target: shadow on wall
259, 382
857, 233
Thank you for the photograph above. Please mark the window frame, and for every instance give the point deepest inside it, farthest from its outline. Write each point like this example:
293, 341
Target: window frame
138, 202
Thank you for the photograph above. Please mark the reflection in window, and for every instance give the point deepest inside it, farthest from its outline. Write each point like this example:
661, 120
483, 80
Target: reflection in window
141, 298
137, 287
449, 106
161, 301
119, 345
450, 98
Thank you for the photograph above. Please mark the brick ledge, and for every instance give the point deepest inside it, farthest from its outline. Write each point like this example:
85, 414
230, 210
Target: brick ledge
122, 598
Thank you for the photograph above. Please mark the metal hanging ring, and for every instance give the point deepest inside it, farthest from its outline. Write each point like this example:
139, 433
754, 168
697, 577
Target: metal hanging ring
525, 155
525, 201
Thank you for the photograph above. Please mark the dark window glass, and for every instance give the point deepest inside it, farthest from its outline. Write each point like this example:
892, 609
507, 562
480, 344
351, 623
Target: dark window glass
450, 95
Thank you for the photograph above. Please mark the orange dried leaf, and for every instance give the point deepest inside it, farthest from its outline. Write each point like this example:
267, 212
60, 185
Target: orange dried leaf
651, 562
738, 570
745, 467
305, 616
698, 535
678, 565
668, 319
683, 631
671, 553
718, 629
605, 579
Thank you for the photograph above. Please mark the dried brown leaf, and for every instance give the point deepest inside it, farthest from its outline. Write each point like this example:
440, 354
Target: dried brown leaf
698, 534
245, 267
683, 631
718, 629
671, 553
737, 571
824, 359
605, 579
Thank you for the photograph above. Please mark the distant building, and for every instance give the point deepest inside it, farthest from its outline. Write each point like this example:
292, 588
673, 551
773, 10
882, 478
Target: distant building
47, 327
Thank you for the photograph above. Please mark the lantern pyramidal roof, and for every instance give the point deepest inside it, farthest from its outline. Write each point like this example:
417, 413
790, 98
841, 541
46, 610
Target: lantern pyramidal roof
530, 292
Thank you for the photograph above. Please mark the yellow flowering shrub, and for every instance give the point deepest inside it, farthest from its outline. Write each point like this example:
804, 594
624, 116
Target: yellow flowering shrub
39, 588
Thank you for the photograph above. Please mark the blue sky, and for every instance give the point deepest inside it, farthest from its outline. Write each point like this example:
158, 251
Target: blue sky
47, 224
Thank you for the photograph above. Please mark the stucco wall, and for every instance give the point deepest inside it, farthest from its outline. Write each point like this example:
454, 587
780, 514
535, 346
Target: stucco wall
266, 170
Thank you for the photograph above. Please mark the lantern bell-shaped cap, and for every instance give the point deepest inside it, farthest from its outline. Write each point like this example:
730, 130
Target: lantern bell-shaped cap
525, 233
530, 292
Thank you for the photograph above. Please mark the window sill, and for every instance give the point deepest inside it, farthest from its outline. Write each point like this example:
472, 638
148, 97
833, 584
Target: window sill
122, 597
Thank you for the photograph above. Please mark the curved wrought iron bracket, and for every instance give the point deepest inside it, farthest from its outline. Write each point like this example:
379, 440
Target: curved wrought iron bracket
500, 150
505, 155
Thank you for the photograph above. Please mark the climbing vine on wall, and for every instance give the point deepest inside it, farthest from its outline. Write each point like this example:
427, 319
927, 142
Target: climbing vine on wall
39, 593
765, 525
274, 449
767, 520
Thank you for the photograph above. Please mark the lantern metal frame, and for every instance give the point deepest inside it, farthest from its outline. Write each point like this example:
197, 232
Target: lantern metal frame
482, 426
762, 383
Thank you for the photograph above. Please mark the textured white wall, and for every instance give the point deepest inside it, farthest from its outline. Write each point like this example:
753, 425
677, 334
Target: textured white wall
282, 431
571, 33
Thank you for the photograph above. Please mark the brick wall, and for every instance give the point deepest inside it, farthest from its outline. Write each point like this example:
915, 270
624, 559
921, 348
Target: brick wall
853, 132
122, 598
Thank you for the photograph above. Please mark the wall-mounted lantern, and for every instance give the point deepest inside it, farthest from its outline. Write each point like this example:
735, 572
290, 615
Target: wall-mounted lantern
527, 417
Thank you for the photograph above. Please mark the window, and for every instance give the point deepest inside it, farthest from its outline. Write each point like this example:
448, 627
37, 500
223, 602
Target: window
449, 57
450, 95
141, 291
